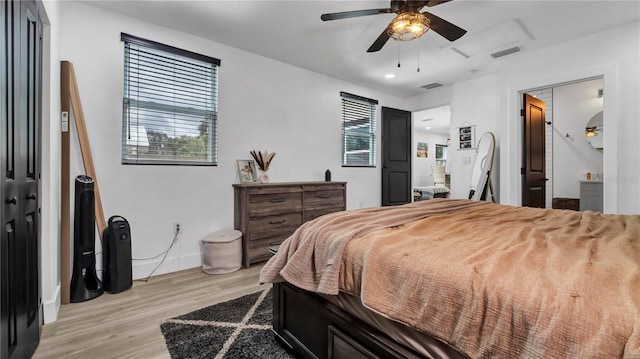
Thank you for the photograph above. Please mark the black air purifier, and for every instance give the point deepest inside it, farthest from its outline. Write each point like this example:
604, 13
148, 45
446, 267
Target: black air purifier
85, 284
116, 255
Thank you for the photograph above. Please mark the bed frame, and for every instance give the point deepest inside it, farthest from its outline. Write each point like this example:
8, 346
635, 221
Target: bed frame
312, 327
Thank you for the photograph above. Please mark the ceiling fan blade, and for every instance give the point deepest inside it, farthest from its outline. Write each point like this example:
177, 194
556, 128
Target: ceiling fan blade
434, 3
355, 13
380, 41
443, 27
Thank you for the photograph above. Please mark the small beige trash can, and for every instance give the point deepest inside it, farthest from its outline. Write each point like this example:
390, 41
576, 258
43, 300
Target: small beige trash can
222, 251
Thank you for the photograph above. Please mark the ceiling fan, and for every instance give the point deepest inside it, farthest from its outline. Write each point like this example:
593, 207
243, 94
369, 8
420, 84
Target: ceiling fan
408, 25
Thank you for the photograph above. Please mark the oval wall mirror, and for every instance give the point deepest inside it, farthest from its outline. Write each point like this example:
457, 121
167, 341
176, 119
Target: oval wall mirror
594, 131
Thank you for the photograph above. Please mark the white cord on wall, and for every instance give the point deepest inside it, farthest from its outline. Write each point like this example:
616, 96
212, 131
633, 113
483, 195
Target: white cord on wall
165, 253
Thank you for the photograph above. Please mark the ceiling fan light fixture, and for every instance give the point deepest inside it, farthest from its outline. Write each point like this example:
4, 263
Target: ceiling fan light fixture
590, 132
408, 26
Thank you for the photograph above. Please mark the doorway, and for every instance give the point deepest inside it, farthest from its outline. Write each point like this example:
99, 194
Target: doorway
430, 147
396, 156
569, 153
533, 168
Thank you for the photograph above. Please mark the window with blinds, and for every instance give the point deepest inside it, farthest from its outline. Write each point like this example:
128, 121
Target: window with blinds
170, 105
358, 131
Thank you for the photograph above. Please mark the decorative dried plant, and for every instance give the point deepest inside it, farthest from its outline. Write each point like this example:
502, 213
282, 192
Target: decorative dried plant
263, 159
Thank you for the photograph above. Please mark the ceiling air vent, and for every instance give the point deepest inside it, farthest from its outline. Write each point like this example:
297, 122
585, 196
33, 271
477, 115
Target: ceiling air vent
505, 52
432, 85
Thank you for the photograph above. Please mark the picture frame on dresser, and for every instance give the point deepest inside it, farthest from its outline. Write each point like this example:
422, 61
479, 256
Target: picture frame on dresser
246, 171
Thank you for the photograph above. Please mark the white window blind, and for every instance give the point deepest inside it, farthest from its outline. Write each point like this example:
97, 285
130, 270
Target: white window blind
170, 105
358, 131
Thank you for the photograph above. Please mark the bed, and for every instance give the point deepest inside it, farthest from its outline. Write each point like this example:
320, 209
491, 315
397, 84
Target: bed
456, 278
421, 193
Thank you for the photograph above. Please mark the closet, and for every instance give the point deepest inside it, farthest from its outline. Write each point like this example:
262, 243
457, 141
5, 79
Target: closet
20, 89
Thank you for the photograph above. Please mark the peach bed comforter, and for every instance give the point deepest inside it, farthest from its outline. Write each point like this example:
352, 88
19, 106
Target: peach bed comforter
492, 281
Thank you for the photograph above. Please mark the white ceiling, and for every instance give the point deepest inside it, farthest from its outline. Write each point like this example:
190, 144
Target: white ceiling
438, 119
292, 32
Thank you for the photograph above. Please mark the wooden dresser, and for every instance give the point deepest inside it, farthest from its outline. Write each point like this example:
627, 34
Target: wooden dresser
268, 213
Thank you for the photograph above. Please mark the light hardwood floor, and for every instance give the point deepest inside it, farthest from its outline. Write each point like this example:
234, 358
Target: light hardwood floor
127, 324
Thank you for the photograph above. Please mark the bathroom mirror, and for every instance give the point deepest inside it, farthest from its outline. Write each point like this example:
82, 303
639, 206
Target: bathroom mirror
594, 131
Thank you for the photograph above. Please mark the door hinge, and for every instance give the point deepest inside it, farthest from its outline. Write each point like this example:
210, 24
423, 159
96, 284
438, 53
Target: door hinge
522, 171
522, 112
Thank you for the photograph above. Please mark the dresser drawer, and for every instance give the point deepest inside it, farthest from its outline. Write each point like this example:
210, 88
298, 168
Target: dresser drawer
323, 199
315, 213
325, 186
270, 203
259, 249
268, 226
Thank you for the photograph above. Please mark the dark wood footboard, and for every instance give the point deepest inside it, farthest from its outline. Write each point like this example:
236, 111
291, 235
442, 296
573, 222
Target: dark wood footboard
315, 328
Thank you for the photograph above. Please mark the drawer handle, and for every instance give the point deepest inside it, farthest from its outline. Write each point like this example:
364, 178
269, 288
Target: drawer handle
277, 200
278, 221
325, 196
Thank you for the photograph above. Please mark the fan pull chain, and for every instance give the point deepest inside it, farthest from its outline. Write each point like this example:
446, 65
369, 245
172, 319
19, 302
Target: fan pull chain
418, 61
398, 54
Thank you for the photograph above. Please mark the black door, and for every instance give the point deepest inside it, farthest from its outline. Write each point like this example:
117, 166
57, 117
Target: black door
396, 156
20, 174
534, 170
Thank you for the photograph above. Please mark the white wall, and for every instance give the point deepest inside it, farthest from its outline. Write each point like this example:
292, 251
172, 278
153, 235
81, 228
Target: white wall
437, 97
50, 177
493, 104
613, 54
264, 105
421, 171
474, 103
573, 157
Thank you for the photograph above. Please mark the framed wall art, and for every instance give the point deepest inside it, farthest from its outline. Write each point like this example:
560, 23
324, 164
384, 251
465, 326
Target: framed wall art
466, 137
422, 149
246, 171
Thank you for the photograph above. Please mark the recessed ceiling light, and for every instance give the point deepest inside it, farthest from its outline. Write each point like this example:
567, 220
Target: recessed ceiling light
389, 76
427, 128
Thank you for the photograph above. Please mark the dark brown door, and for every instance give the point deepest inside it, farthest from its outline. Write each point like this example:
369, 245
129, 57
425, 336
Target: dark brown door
20, 174
534, 176
396, 157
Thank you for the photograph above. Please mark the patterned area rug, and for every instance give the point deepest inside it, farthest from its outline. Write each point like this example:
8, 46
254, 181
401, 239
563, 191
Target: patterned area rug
239, 328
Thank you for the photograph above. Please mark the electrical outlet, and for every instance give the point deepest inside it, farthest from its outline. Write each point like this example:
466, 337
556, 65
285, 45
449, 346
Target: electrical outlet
177, 228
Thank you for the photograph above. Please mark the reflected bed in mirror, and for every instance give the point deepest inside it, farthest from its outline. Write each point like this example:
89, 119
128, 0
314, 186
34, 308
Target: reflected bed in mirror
594, 131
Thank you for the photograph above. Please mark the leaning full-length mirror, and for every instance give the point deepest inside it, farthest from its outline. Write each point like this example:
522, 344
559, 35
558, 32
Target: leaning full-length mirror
481, 188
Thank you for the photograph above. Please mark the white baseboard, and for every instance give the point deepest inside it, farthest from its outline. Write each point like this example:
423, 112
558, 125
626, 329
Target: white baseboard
172, 264
51, 308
